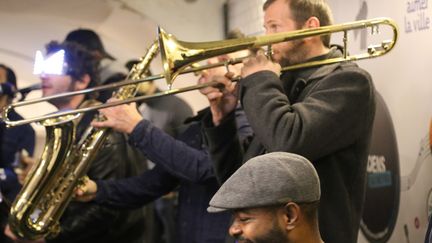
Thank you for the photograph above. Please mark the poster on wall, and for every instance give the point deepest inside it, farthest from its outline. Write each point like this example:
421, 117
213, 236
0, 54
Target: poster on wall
383, 179
399, 187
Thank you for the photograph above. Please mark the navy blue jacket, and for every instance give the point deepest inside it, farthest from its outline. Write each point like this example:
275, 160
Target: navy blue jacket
14, 140
183, 163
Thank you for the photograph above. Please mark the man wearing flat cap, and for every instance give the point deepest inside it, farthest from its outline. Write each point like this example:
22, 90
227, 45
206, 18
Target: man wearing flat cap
274, 198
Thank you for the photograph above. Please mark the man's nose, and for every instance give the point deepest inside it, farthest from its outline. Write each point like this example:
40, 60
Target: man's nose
235, 229
268, 31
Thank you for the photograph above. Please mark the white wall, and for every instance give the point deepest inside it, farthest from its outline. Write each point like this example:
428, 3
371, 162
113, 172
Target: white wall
403, 79
201, 20
246, 15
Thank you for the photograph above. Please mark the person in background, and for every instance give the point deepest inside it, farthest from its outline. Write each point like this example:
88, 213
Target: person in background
181, 163
15, 143
168, 113
273, 198
89, 222
91, 40
324, 113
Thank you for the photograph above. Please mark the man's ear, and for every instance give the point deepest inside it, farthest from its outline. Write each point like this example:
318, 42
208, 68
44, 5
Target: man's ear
291, 215
312, 22
83, 82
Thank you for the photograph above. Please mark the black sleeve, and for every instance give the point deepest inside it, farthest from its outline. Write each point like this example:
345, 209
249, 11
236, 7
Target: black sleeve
185, 157
224, 146
179, 115
111, 162
136, 191
85, 221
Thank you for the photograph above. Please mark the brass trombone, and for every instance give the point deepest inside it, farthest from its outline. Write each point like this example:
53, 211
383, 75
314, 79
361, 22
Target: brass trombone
178, 57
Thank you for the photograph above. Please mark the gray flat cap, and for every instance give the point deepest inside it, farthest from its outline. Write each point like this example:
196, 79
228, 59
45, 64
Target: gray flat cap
269, 179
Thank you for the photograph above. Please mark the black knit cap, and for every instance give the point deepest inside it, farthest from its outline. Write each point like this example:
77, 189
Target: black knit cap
90, 40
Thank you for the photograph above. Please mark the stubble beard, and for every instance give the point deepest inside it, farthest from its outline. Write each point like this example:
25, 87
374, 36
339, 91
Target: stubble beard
274, 235
63, 101
295, 55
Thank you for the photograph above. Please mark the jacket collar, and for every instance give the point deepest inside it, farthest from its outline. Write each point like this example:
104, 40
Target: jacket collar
295, 81
308, 74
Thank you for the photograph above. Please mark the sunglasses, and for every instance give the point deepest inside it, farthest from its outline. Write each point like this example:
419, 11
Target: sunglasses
52, 64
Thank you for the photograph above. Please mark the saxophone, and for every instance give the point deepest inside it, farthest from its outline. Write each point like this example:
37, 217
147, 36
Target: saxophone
50, 184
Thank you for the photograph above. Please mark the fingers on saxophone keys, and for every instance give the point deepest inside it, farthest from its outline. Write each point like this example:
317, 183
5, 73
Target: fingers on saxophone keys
81, 187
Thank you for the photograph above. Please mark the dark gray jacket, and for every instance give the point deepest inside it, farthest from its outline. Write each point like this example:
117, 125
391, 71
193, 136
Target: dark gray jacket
323, 113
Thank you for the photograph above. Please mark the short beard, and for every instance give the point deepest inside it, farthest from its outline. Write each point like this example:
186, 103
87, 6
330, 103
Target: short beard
275, 235
296, 56
59, 102
62, 101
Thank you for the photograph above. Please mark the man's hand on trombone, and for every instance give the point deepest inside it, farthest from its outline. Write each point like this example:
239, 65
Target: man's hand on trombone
122, 118
257, 63
222, 100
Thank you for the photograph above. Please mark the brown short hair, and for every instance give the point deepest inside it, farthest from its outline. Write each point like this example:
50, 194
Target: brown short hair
235, 34
302, 10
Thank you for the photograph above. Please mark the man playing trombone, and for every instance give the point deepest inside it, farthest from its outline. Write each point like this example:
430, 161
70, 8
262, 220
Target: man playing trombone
183, 162
323, 113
